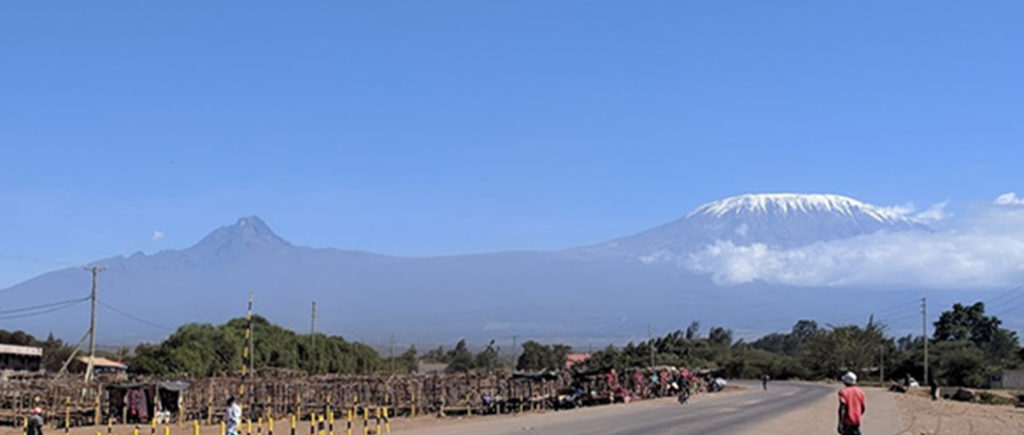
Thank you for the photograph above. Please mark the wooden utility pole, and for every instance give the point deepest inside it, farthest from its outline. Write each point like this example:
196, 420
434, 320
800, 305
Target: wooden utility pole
249, 329
312, 327
881, 365
391, 345
650, 343
92, 322
924, 333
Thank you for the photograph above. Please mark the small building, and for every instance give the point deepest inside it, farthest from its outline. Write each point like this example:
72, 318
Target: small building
575, 358
1007, 379
20, 358
100, 366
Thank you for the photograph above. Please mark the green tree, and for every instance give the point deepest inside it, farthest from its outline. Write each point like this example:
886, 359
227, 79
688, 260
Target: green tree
460, 359
969, 323
536, 356
488, 360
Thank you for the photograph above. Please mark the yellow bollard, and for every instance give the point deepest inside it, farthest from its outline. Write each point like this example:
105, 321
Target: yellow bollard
320, 425
312, 424
259, 425
348, 422
248, 426
378, 421
270, 425
387, 422
293, 424
413, 412
366, 421
223, 428
167, 430
152, 429
136, 430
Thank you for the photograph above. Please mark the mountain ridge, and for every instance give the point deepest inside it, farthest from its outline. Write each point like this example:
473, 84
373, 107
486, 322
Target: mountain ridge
571, 291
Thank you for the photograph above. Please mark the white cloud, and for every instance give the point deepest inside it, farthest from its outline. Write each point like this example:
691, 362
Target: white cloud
986, 254
903, 209
1008, 198
935, 213
158, 235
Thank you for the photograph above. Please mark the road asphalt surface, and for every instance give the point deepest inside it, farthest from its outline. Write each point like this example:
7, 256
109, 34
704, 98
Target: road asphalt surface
717, 413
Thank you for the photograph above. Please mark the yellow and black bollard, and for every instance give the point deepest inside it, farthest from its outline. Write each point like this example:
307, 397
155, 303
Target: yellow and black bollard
67, 414
366, 421
387, 421
270, 426
378, 420
293, 424
223, 428
152, 427
348, 423
136, 430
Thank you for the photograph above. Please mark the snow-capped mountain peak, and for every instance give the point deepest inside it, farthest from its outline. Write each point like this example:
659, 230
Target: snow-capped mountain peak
786, 203
771, 219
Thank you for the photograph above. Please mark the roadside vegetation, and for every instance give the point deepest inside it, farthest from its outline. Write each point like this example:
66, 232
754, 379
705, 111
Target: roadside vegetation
967, 346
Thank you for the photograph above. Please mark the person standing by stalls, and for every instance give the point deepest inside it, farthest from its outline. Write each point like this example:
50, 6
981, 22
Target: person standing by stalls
851, 406
233, 417
35, 422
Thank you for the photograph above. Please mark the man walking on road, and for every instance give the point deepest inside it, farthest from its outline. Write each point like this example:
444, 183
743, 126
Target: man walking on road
851, 406
764, 382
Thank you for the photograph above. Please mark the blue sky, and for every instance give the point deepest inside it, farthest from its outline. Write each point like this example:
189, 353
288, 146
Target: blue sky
421, 128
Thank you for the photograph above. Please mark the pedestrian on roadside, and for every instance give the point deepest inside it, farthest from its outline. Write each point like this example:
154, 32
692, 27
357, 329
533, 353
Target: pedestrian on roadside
35, 422
851, 406
934, 385
233, 417
764, 382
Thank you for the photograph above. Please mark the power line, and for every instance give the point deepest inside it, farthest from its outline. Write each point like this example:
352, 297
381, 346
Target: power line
133, 317
37, 307
44, 311
1011, 291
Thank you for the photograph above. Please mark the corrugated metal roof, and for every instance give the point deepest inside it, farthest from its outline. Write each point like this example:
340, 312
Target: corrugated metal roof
12, 349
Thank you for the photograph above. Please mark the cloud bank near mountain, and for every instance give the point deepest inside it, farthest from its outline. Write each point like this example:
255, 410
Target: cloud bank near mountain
983, 250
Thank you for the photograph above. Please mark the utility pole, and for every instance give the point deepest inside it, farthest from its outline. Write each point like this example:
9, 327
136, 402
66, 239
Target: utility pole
249, 337
650, 343
92, 322
924, 333
312, 328
881, 365
391, 345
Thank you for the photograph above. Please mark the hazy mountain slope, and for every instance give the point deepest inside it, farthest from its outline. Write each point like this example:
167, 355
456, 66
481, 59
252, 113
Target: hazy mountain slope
585, 292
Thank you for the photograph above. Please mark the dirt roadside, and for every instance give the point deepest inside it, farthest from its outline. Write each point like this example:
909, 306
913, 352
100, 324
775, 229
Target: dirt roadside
920, 415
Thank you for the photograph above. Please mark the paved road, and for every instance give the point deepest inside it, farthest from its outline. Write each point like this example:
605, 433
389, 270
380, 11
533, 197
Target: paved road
711, 414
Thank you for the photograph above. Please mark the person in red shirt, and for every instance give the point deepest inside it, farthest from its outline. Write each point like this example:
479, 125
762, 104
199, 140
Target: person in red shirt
851, 406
